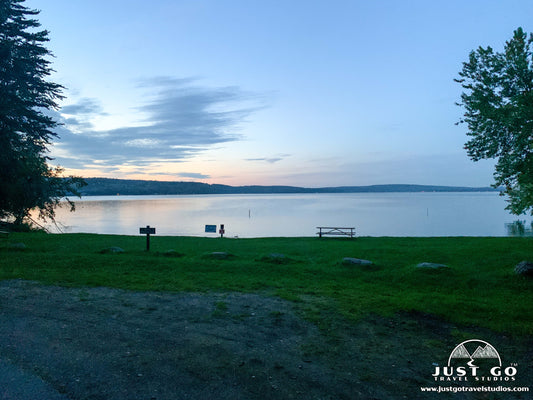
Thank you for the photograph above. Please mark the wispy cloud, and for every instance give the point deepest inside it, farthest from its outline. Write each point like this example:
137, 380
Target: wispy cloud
193, 175
182, 119
84, 106
270, 160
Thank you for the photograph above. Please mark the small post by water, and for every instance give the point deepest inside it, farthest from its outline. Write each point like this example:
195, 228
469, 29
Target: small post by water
147, 231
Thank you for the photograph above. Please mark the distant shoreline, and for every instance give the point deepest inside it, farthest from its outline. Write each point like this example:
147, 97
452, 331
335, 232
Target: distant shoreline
128, 187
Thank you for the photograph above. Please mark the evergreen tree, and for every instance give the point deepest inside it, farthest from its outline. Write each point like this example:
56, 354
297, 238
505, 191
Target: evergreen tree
498, 104
26, 130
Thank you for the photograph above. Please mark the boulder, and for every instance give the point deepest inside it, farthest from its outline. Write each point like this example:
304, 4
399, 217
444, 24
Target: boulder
356, 261
276, 255
276, 258
431, 265
172, 253
17, 246
112, 250
220, 255
524, 268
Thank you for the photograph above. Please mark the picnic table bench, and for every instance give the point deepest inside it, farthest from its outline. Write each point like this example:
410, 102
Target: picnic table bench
4, 234
335, 231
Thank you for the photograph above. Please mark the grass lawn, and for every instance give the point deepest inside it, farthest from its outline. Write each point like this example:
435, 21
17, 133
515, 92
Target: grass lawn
480, 288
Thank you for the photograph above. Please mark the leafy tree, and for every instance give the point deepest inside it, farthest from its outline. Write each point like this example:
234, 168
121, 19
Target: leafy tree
26, 127
498, 103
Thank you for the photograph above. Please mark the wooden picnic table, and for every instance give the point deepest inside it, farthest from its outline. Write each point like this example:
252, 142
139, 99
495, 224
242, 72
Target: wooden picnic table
335, 231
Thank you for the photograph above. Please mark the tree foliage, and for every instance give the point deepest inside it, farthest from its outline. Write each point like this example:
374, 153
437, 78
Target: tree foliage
26, 127
498, 103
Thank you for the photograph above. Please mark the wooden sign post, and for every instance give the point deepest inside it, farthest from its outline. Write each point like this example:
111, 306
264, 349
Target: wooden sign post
147, 231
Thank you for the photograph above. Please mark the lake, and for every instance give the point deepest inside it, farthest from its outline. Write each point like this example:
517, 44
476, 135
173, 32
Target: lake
271, 215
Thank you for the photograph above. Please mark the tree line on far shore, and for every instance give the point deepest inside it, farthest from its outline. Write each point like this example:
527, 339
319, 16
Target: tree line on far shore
111, 187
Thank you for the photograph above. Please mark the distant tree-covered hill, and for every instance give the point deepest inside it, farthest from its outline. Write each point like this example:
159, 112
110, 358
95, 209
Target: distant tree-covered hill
106, 187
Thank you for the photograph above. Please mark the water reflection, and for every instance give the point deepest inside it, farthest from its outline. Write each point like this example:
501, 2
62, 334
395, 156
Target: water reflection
372, 214
520, 228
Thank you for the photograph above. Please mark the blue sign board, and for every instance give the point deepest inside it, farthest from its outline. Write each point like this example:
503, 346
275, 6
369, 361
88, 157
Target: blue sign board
211, 228
147, 231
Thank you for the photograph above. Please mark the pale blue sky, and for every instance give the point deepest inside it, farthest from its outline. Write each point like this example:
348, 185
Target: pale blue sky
306, 93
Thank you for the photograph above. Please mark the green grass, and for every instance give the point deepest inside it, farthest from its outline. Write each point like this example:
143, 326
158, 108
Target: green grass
479, 289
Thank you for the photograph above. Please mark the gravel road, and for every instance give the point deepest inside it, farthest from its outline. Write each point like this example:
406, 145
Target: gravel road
102, 343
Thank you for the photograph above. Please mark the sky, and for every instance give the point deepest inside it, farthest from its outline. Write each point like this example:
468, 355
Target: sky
272, 92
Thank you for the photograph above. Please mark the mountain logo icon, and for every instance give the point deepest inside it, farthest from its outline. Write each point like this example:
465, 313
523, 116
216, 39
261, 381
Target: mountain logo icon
475, 360
479, 349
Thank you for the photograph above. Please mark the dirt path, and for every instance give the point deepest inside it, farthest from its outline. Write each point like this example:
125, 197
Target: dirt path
101, 343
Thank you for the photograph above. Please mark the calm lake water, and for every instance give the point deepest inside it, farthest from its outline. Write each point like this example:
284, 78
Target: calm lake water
372, 214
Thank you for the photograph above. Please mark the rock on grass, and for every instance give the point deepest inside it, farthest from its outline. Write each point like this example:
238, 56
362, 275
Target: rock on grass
524, 268
356, 261
219, 255
430, 265
276, 258
173, 254
112, 250
17, 246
